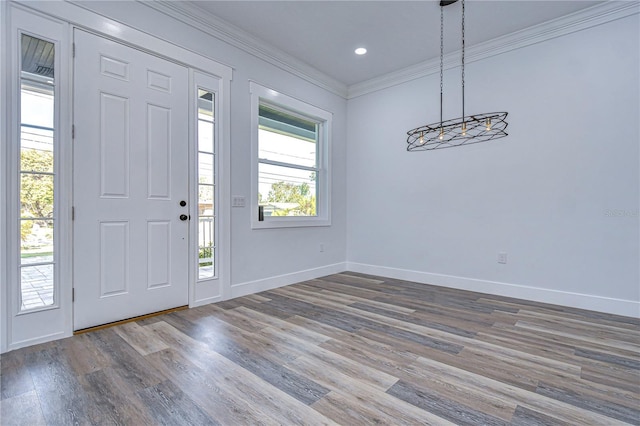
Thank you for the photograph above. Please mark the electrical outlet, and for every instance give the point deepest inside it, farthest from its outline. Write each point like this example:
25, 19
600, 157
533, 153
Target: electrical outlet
502, 257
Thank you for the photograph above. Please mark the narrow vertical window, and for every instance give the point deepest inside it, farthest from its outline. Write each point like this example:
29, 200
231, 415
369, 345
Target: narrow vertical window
37, 177
206, 186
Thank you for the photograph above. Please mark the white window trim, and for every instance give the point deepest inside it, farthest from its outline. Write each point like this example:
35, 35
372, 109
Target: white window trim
215, 290
323, 201
26, 327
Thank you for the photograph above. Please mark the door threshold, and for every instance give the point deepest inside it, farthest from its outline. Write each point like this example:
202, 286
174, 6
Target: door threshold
124, 321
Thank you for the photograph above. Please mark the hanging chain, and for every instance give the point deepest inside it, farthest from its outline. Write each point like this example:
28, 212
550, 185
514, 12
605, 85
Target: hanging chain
441, 59
463, 61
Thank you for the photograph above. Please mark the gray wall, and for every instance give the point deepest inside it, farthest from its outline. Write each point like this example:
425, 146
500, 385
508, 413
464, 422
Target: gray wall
559, 194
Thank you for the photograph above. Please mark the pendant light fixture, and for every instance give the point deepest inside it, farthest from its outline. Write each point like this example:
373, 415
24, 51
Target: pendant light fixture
465, 130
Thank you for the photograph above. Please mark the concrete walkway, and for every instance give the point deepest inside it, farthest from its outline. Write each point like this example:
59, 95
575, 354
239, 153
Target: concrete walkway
37, 283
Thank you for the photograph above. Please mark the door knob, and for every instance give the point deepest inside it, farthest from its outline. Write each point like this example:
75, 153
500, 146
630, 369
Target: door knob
184, 217
183, 203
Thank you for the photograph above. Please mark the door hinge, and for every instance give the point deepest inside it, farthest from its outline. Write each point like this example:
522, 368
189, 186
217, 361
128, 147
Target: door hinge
73, 294
73, 131
73, 50
73, 213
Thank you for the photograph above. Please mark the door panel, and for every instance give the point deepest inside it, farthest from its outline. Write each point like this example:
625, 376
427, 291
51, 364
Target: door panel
114, 145
114, 258
130, 174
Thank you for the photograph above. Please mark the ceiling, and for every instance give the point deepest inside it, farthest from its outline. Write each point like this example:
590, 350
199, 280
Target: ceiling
397, 34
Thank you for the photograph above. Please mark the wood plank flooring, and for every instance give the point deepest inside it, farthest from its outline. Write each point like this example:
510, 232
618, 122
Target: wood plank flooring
346, 349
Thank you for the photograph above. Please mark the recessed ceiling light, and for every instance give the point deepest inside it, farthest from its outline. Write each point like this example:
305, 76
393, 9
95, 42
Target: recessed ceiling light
360, 51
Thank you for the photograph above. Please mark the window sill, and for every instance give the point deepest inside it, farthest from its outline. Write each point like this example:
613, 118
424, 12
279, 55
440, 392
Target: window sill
289, 222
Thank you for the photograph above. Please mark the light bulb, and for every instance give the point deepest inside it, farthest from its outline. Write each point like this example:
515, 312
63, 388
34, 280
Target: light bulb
441, 137
488, 124
421, 141
464, 128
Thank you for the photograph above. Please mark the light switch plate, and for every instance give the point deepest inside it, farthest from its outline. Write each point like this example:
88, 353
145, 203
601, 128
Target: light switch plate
237, 201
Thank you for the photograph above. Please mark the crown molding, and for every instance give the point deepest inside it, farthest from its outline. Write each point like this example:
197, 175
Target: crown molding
203, 20
581, 20
196, 17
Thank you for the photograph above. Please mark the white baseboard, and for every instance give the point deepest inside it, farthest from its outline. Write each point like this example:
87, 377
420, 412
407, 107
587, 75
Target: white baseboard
250, 287
628, 308
37, 340
205, 301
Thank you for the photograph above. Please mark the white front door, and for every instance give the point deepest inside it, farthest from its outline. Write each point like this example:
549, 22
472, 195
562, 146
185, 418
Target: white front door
130, 180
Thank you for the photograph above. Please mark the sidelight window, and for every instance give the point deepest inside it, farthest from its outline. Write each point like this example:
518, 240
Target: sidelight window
206, 185
37, 177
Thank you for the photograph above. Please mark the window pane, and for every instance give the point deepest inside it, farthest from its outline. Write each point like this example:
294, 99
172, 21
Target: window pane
37, 149
37, 159
205, 168
287, 123
36, 241
206, 247
205, 105
285, 191
37, 56
205, 136
36, 195
36, 286
285, 148
205, 199
206, 187
37, 105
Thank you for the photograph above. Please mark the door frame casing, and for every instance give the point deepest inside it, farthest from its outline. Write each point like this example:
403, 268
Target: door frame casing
211, 290
54, 322
72, 16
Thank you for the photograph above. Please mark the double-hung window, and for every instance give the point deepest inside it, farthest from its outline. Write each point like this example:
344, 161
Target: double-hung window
290, 145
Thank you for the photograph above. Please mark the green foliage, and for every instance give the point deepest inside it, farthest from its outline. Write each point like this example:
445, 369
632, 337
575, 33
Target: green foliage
36, 190
206, 252
284, 192
25, 229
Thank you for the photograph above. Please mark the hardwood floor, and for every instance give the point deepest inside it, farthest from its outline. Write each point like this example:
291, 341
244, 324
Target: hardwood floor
346, 349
